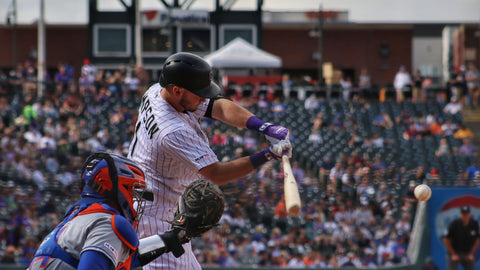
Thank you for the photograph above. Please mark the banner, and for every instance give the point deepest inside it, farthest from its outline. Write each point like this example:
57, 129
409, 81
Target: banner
444, 207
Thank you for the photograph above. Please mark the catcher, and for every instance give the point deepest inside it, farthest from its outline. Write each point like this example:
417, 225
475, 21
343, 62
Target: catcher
98, 231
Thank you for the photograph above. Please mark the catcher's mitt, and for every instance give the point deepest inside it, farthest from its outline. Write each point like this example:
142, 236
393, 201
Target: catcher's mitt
199, 208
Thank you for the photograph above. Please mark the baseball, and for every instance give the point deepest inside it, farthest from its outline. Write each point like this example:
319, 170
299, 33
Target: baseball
422, 192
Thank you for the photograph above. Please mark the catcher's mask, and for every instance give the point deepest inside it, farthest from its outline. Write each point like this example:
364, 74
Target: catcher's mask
115, 178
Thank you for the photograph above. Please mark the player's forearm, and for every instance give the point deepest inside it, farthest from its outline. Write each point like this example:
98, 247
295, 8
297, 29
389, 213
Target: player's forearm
222, 173
150, 248
230, 113
153, 246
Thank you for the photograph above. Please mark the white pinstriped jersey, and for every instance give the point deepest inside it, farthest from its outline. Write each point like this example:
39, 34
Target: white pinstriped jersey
171, 148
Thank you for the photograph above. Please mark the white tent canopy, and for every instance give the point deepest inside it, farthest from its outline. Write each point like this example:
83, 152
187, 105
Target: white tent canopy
238, 53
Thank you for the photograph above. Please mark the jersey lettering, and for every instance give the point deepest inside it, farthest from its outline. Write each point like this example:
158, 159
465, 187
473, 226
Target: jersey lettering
148, 118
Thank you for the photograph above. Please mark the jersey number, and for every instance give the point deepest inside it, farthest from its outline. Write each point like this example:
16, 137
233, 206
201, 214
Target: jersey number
137, 127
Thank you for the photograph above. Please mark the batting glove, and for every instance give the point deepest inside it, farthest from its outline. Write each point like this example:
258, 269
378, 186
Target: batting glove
273, 152
280, 148
273, 133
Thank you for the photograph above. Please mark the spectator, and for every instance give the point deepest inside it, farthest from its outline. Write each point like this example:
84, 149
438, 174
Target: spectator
383, 120
449, 128
443, 148
280, 215
404, 119
411, 132
311, 103
347, 87
463, 132
115, 84
63, 78
400, 249
298, 172
73, 104
417, 89
409, 195
324, 171
403, 226
453, 107
473, 171
249, 142
364, 83
278, 107
315, 137
219, 138
472, 78
335, 176
356, 140
467, 149
9, 257
320, 121
348, 183
383, 193
458, 85
435, 128
402, 83
132, 83
385, 251
338, 122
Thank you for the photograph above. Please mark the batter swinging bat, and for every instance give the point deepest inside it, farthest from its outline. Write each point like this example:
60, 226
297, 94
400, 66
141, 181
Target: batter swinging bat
290, 189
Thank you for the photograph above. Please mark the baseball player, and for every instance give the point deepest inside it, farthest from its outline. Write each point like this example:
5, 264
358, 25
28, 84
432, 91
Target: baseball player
98, 231
171, 147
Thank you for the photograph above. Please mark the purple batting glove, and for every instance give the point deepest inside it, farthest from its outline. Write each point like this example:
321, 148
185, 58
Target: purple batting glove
272, 132
273, 152
277, 133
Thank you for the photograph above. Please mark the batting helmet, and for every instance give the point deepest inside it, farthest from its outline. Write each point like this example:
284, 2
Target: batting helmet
116, 178
191, 72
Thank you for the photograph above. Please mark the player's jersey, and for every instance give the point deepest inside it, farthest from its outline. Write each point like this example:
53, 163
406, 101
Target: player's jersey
90, 230
171, 148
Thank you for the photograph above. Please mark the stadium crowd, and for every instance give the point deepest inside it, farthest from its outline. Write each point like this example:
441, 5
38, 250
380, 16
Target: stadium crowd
352, 216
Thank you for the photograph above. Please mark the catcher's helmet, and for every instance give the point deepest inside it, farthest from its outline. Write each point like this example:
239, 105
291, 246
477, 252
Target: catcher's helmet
191, 72
116, 178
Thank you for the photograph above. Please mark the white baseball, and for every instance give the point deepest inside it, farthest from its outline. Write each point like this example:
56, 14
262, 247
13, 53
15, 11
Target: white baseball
422, 192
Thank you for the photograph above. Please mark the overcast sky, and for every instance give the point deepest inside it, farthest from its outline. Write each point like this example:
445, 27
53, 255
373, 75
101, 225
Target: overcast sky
75, 11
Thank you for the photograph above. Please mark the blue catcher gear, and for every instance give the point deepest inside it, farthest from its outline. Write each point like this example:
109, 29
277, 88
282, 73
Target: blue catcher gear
116, 178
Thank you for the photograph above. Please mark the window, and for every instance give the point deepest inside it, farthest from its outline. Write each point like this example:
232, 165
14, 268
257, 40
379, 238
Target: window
112, 40
246, 31
155, 41
198, 40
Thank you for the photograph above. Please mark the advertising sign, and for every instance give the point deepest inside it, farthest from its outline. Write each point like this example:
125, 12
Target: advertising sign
443, 208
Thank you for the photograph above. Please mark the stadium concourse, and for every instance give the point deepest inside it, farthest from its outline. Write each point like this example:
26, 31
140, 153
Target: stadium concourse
356, 161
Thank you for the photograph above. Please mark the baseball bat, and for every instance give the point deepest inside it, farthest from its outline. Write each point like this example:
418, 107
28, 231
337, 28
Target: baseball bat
290, 189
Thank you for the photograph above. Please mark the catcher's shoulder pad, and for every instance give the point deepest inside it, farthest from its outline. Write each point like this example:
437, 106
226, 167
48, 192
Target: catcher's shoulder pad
125, 231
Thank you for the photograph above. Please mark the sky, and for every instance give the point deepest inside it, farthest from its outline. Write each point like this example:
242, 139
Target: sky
360, 11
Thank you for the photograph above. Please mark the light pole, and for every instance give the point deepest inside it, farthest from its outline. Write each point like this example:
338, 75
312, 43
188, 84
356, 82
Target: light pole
320, 46
41, 50
12, 19
138, 34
